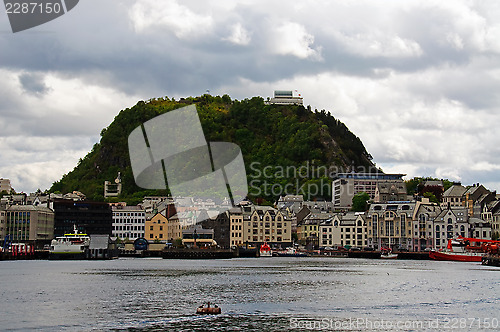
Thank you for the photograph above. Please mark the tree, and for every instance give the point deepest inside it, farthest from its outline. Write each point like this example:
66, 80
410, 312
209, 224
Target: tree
432, 198
360, 202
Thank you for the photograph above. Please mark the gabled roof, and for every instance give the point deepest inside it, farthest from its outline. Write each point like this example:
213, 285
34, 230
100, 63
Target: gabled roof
455, 191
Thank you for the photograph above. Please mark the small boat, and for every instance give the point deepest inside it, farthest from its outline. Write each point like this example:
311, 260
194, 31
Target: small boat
291, 252
265, 250
386, 253
208, 310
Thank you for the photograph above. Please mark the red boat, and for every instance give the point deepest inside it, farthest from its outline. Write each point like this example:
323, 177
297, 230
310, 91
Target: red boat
265, 250
208, 310
462, 251
455, 256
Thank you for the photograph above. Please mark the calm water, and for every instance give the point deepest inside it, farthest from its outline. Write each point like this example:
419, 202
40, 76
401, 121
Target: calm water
264, 294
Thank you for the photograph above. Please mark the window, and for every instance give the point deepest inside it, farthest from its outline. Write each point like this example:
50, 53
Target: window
151, 228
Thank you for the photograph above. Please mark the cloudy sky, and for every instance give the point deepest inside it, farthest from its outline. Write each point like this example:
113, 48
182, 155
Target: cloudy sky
417, 81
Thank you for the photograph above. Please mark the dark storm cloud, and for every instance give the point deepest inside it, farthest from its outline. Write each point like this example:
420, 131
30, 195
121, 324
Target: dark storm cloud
410, 78
33, 83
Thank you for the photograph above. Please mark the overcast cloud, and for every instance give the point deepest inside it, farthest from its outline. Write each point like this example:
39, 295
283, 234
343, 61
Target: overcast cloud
417, 81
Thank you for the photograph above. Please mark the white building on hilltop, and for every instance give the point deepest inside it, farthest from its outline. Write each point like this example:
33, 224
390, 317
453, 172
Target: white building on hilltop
285, 97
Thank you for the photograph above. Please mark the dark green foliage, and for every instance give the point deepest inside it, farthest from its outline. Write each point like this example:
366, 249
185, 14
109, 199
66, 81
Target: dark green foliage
360, 202
432, 198
275, 136
417, 186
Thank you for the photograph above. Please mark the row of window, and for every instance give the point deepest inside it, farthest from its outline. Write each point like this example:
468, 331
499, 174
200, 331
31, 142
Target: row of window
267, 239
129, 235
128, 214
137, 221
128, 228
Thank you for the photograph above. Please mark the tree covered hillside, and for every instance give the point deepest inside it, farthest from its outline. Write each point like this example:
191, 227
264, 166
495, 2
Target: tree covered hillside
273, 138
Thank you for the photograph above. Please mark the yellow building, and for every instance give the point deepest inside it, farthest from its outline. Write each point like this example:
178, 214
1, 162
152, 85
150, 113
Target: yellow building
266, 224
236, 227
160, 228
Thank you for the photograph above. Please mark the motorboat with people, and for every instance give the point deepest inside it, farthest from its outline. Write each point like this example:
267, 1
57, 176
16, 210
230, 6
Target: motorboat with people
208, 310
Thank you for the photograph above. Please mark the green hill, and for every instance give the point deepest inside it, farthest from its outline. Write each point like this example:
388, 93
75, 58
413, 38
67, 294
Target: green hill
276, 142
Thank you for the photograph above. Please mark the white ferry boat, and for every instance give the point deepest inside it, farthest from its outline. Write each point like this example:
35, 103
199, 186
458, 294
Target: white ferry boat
69, 246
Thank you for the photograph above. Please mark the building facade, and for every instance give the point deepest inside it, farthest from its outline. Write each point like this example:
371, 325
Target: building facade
264, 224
346, 185
237, 227
129, 222
387, 191
449, 224
424, 217
221, 225
5, 185
285, 97
390, 225
89, 217
162, 229
29, 223
454, 196
344, 230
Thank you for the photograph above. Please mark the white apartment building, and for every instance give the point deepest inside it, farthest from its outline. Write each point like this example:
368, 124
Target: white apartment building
128, 222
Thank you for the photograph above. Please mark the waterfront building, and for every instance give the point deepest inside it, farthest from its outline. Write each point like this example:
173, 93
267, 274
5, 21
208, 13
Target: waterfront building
221, 225
262, 224
390, 225
236, 237
449, 224
480, 229
346, 185
163, 229
128, 222
2, 225
344, 230
308, 231
423, 219
197, 236
89, 217
28, 223
495, 225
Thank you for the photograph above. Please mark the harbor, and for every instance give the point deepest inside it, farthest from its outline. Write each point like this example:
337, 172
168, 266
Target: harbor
255, 294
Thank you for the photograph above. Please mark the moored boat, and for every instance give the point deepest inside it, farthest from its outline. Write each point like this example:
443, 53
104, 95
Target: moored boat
388, 254
461, 250
456, 256
265, 250
69, 246
291, 252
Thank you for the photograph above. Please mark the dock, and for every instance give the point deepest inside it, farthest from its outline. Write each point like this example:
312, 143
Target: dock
185, 253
